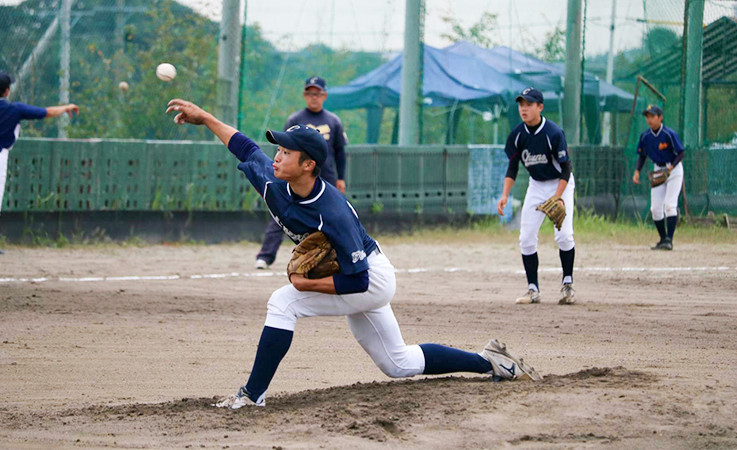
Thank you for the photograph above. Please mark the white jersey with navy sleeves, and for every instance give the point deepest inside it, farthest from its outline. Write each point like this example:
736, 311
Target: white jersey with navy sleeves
325, 209
541, 151
662, 147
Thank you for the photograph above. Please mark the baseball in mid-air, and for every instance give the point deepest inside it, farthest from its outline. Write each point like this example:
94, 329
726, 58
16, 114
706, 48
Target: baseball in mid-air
123, 86
166, 72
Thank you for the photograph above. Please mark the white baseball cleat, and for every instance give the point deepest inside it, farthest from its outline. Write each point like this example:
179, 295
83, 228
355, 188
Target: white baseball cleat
532, 296
239, 400
567, 294
262, 265
505, 366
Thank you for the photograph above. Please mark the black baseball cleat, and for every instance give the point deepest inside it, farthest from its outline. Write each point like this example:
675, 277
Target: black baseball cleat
660, 245
667, 244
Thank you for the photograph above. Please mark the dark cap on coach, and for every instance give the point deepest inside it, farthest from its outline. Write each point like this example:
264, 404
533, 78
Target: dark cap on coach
316, 82
5, 81
302, 138
653, 109
530, 94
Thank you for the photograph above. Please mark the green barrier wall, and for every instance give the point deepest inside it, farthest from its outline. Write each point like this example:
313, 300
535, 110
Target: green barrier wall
49, 175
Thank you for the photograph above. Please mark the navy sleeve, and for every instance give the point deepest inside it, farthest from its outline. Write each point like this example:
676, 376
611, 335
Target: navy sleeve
344, 231
641, 158
30, 112
676, 141
256, 165
242, 146
640, 146
565, 171
560, 147
351, 284
339, 144
340, 162
513, 167
678, 158
513, 154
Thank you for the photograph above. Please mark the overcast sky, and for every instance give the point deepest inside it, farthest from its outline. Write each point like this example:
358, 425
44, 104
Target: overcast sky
378, 25
522, 24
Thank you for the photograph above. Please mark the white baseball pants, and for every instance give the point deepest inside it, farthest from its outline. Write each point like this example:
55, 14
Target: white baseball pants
664, 198
532, 219
369, 315
3, 173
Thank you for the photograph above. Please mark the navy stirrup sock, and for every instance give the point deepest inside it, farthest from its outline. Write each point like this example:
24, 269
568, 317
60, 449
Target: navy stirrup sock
441, 359
566, 260
530, 262
672, 222
660, 225
272, 347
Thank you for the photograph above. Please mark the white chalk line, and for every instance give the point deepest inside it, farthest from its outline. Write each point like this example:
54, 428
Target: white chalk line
267, 274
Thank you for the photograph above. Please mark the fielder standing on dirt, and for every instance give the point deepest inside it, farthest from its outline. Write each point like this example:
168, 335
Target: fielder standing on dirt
333, 171
541, 146
10, 116
303, 203
664, 147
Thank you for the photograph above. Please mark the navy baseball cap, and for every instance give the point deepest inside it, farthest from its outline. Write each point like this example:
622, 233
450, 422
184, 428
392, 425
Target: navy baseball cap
5, 81
653, 109
530, 94
316, 82
303, 138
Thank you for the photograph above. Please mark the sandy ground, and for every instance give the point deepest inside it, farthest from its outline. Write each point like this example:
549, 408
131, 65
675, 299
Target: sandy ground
646, 358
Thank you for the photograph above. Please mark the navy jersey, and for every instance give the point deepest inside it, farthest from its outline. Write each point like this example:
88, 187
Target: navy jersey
662, 147
541, 151
325, 209
10, 116
331, 128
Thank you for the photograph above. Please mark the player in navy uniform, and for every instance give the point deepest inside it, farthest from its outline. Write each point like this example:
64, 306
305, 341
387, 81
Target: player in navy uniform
541, 146
10, 116
332, 171
664, 147
302, 203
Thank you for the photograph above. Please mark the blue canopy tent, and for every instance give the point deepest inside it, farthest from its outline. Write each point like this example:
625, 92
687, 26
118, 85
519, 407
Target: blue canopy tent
548, 77
449, 80
464, 74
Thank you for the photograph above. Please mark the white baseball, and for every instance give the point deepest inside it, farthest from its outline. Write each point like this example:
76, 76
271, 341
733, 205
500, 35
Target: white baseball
166, 72
123, 86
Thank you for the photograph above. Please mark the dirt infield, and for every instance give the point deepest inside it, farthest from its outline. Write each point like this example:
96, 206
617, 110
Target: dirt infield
129, 346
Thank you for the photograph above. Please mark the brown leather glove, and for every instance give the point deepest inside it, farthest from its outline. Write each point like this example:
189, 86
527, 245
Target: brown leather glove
555, 209
314, 257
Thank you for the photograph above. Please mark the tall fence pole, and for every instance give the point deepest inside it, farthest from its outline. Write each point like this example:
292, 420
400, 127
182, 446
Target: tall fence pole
228, 60
65, 13
694, 37
572, 87
410, 101
607, 125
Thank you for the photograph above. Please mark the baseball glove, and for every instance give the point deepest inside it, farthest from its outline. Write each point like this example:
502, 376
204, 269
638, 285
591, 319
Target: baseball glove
658, 177
555, 209
314, 257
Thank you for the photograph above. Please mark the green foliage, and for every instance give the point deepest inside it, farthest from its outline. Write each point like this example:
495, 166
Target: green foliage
554, 46
481, 33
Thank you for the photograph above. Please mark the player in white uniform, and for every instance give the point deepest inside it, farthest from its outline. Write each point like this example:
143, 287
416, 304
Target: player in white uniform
302, 203
541, 146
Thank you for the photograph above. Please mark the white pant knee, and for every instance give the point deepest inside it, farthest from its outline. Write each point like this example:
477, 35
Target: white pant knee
671, 210
278, 311
401, 363
528, 244
565, 241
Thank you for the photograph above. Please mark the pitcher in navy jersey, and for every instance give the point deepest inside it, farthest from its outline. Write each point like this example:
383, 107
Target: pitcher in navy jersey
663, 146
541, 146
333, 170
301, 202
